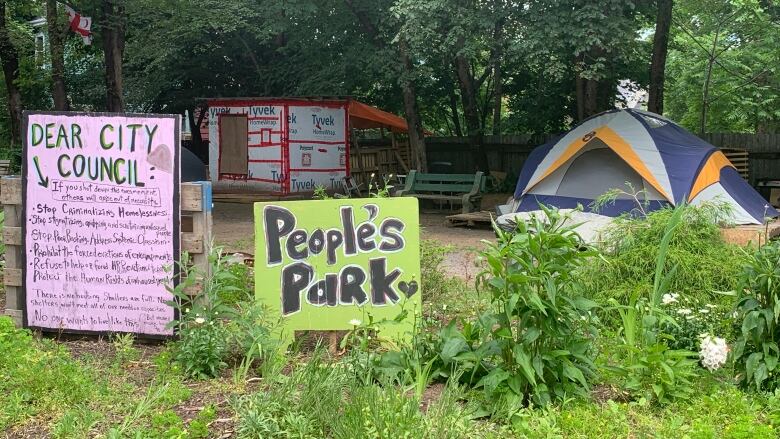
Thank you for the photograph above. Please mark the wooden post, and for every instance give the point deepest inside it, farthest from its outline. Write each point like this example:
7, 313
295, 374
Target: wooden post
11, 199
196, 201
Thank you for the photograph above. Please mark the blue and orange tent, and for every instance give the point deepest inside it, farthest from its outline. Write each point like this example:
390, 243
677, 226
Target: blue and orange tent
668, 164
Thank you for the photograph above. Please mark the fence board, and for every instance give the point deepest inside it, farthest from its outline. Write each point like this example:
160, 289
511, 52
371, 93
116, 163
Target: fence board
507, 153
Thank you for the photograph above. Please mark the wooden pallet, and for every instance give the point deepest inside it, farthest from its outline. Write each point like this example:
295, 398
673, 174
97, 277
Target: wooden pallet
740, 159
249, 198
471, 219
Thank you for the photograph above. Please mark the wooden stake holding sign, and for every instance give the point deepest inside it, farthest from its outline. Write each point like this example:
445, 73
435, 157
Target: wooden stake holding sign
325, 264
100, 222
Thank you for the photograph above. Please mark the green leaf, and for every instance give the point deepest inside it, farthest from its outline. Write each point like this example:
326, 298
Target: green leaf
522, 358
573, 373
452, 347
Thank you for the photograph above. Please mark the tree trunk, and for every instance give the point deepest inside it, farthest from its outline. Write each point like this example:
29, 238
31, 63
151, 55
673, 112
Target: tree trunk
579, 83
416, 134
591, 105
10, 60
454, 110
113, 36
498, 89
197, 144
498, 95
655, 101
54, 24
706, 88
588, 102
471, 112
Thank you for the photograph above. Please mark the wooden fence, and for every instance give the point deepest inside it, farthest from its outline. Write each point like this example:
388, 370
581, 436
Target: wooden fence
195, 202
508, 153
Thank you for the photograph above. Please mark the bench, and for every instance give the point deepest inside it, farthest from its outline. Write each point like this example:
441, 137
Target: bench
5, 167
465, 189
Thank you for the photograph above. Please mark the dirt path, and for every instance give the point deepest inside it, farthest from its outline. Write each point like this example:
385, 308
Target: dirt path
233, 230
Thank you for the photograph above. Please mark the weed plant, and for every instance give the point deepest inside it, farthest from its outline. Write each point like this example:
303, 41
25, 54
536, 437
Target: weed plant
756, 351
650, 370
705, 264
319, 399
534, 344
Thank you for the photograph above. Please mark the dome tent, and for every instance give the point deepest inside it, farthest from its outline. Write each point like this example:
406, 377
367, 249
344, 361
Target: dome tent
650, 152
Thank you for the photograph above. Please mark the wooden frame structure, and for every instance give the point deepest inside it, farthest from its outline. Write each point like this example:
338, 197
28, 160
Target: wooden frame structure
195, 235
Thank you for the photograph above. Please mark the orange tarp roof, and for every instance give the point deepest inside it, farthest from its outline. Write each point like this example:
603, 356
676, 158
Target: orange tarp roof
364, 116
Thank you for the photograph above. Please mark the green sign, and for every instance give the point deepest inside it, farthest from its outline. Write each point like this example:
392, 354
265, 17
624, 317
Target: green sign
323, 264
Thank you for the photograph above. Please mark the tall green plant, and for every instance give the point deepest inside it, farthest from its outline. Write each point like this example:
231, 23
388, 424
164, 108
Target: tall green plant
651, 369
756, 351
534, 343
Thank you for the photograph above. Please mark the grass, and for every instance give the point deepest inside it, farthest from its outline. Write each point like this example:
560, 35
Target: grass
121, 392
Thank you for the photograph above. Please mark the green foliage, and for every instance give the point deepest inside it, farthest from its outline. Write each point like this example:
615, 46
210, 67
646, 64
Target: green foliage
535, 342
692, 318
318, 399
202, 349
320, 193
168, 425
739, 39
241, 284
124, 351
756, 352
650, 369
37, 379
704, 264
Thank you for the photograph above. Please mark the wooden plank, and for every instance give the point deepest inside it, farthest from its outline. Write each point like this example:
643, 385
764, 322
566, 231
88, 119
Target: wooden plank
191, 243
191, 197
443, 187
14, 297
446, 177
11, 190
12, 235
15, 315
438, 197
470, 219
12, 277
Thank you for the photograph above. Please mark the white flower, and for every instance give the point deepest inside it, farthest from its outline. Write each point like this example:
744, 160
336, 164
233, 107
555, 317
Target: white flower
444, 307
735, 314
186, 310
669, 298
713, 352
684, 311
709, 305
200, 320
704, 311
355, 322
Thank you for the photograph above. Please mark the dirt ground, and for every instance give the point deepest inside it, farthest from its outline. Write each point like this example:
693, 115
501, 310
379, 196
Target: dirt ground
233, 230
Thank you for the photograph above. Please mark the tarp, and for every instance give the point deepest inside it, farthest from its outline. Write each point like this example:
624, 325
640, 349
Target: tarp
364, 116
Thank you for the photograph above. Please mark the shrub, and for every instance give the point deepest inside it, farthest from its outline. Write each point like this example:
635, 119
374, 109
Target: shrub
692, 318
202, 347
705, 264
756, 351
650, 369
533, 345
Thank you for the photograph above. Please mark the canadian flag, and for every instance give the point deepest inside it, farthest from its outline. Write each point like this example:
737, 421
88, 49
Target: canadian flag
79, 24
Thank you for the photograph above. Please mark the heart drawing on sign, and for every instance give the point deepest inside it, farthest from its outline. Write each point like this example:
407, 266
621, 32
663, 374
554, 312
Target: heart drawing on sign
408, 288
